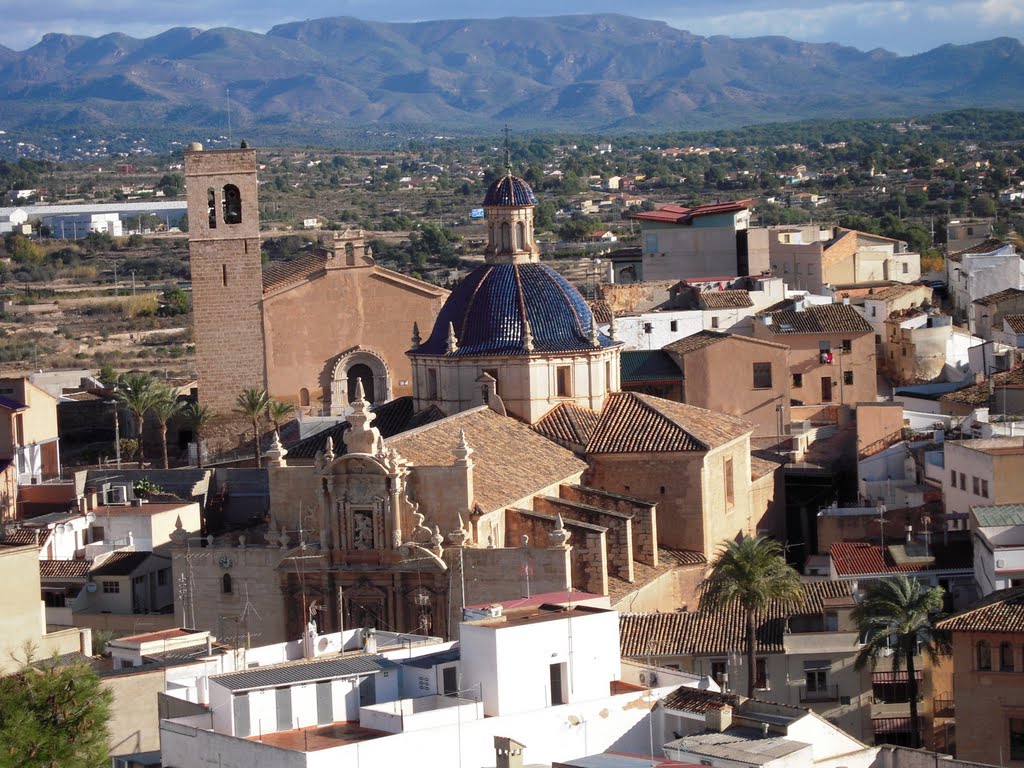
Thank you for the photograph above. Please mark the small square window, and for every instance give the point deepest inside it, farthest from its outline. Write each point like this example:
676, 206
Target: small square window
984, 488
798, 380
563, 381
111, 587
714, 322
847, 377
975, 486
673, 325
762, 375
847, 345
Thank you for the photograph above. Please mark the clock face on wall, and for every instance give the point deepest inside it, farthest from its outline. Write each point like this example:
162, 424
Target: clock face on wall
226, 561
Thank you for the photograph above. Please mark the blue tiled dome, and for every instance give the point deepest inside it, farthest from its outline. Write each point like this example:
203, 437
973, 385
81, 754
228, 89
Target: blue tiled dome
510, 190
487, 308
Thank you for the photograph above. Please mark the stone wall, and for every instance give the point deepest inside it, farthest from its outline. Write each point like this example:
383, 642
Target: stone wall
644, 517
589, 561
619, 528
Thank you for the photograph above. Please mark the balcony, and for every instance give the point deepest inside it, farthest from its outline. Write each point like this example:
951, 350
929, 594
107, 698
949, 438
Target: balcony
943, 706
819, 694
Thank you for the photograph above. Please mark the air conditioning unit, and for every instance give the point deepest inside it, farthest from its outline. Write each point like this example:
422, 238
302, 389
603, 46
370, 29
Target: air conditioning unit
648, 678
116, 494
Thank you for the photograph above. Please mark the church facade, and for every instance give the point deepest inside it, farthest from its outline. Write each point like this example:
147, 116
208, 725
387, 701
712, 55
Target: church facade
306, 329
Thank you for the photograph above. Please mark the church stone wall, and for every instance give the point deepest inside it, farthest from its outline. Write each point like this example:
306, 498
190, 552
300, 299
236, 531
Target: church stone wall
619, 530
589, 545
292, 489
644, 523
310, 325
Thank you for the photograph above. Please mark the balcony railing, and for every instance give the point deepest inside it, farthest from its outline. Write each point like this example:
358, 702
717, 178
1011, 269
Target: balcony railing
819, 693
943, 706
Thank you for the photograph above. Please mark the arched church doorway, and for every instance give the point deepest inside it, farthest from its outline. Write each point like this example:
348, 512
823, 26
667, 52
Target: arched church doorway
360, 372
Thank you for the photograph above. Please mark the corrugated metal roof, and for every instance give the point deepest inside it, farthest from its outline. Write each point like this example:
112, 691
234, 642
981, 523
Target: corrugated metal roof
648, 365
999, 515
290, 673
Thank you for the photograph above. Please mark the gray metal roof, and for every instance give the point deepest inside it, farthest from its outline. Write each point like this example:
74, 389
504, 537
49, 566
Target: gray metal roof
741, 744
998, 515
292, 672
431, 660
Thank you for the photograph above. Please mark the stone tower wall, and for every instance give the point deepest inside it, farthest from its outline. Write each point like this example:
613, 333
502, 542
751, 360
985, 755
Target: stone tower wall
227, 281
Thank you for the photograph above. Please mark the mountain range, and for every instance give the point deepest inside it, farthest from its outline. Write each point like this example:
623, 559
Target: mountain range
585, 72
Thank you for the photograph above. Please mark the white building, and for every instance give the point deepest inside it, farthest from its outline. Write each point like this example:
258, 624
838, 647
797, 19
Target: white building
998, 535
982, 270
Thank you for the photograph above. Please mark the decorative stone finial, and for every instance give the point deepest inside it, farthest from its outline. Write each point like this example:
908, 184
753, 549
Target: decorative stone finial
329, 449
524, 540
416, 340
453, 342
361, 437
179, 536
272, 534
462, 450
436, 540
595, 339
459, 536
559, 537
612, 328
527, 336
275, 455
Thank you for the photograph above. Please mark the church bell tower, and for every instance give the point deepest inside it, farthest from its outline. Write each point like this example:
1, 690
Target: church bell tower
227, 275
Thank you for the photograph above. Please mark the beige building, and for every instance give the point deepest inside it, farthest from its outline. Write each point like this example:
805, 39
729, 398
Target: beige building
29, 445
304, 329
816, 260
739, 375
832, 352
879, 305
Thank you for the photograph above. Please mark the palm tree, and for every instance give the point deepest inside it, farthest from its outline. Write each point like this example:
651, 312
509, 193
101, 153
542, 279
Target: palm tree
164, 409
279, 412
198, 417
137, 392
252, 402
897, 614
751, 573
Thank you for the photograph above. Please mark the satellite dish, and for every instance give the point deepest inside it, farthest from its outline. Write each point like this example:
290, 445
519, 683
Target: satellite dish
90, 587
90, 517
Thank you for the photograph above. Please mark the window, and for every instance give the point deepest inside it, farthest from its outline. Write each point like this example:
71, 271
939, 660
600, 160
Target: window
225, 584
785, 269
506, 236
232, 205
520, 236
906, 268
975, 486
799, 269
984, 488
847, 377
719, 671
1005, 657
761, 675
984, 655
847, 345
673, 325
963, 482
762, 375
816, 675
1017, 738
304, 398
211, 205
874, 311
952, 477
224, 275
111, 587
162, 577
714, 322
878, 338
563, 381
651, 243
730, 490
798, 380
607, 377
810, 269
432, 383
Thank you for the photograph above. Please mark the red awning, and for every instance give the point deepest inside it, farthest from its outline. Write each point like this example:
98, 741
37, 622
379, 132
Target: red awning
894, 677
891, 724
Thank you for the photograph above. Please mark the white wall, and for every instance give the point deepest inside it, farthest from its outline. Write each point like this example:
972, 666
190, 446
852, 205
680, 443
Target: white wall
971, 463
629, 329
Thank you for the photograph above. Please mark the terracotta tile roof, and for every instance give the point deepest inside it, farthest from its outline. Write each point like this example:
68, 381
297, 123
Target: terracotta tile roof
1015, 323
694, 700
675, 214
511, 461
64, 569
121, 563
21, 536
819, 319
568, 423
602, 310
695, 341
643, 574
638, 365
978, 394
725, 299
986, 246
999, 297
635, 423
894, 292
681, 556
707, 632
764, 463
277, 274
856, 558
1001, 611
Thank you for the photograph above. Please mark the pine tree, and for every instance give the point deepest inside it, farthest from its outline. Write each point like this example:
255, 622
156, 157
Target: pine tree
54, 716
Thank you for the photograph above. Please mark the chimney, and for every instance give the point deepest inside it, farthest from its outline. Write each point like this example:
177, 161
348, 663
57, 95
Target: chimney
369, 640
718, 720
85, 641
909, 531
209, 646
764, 730
508, 753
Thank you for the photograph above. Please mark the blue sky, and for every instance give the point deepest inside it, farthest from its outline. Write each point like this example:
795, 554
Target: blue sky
903, 26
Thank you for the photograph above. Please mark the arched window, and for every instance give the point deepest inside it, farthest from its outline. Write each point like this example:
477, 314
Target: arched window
521, 236
1006, 657
984, 655
360, 371
506, 236
232, 205
225, 584
211, 204
304, 397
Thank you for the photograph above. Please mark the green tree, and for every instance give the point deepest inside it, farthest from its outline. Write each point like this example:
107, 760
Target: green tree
897, 614
199, 418
138, 393
252, 403
750, 573
279, 413
165, 407
54, 715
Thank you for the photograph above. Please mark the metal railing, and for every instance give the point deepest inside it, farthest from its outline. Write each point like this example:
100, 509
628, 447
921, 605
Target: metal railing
819, 693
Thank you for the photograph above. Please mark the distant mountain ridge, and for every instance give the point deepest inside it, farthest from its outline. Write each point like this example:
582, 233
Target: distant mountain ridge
570, 72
